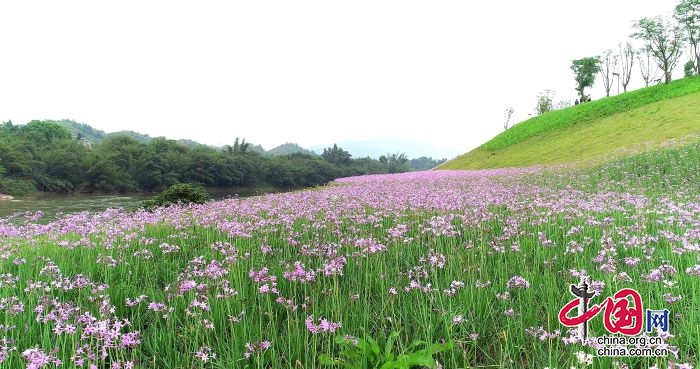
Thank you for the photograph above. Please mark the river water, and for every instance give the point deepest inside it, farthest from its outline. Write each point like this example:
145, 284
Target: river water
52, 204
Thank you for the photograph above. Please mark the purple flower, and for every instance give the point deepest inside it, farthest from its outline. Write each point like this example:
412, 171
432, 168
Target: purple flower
518, 282
694, 270
256, 347
205, 354
323, 326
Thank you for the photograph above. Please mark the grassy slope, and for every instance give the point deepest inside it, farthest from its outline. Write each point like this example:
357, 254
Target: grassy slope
596, 131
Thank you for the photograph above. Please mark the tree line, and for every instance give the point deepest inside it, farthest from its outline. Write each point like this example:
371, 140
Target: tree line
663, 41
44, 156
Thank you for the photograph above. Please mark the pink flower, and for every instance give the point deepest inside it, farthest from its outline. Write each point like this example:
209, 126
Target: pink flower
256, 347
205, 354
323, 326
518, 282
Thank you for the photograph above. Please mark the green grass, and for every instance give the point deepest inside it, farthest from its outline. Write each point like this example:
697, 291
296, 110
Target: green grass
597, 131
667, 171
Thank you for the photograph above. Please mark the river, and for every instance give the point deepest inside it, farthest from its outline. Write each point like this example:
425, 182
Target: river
52, 204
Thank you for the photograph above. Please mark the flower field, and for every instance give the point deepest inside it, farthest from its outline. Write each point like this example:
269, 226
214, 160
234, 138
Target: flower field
451, 269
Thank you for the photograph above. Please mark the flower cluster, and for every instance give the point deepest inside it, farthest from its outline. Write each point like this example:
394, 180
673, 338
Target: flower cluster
323, 326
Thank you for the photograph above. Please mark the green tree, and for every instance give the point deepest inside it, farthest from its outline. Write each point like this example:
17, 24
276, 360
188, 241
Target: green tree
608, 70
545, 102
238, 148
43, 132
64, 165
154, 172
42, 155
395, 163
424, 163
663, 39
201, 168
336, 155
279, 174
105, 176
181, 193
627, 54
688, 68
647, 67
15, 156
688, 15
585, 70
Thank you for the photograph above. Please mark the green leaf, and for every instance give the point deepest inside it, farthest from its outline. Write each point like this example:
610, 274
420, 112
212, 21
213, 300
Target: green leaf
326, 359
373, 346
389, 347
408, 361
440, 347
415, 344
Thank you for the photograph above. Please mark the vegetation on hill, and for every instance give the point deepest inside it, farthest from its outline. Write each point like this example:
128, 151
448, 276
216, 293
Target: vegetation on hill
139, 137
288, 149
80, 130
662, 171
45, 156
424, 163
596, 130
593, 111
188, 143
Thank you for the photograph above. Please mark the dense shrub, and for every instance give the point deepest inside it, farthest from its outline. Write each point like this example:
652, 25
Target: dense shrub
16, 187
181, 193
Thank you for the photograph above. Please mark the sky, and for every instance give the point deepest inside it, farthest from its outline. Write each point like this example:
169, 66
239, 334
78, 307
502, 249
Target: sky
310, 72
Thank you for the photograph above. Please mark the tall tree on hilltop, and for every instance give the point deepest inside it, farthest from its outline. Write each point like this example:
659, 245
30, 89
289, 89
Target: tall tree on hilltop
663, 39
585, 70
608, 70
649, 69
688, 15
545, 102
627, 54
508, 114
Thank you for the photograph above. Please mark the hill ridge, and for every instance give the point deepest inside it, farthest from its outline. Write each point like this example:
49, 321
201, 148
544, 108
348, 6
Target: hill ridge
595, 131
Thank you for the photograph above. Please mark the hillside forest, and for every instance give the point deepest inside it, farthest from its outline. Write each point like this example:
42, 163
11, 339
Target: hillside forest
46, 156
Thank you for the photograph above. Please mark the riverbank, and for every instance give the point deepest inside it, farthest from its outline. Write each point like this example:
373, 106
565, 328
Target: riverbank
54, 204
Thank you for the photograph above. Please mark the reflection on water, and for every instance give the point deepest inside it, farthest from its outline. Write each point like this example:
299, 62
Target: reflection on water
51, 204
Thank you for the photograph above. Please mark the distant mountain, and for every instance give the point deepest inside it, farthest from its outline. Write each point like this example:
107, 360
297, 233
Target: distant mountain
80, 129
188, 143
379, 146
289, 148
140, 137
86, 132
257, 148
424, 163
373, 148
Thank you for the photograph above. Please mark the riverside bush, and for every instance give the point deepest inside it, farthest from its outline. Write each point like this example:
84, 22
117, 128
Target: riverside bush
178, 194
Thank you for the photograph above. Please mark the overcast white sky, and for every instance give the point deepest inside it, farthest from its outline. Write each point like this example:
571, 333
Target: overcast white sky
310, 72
